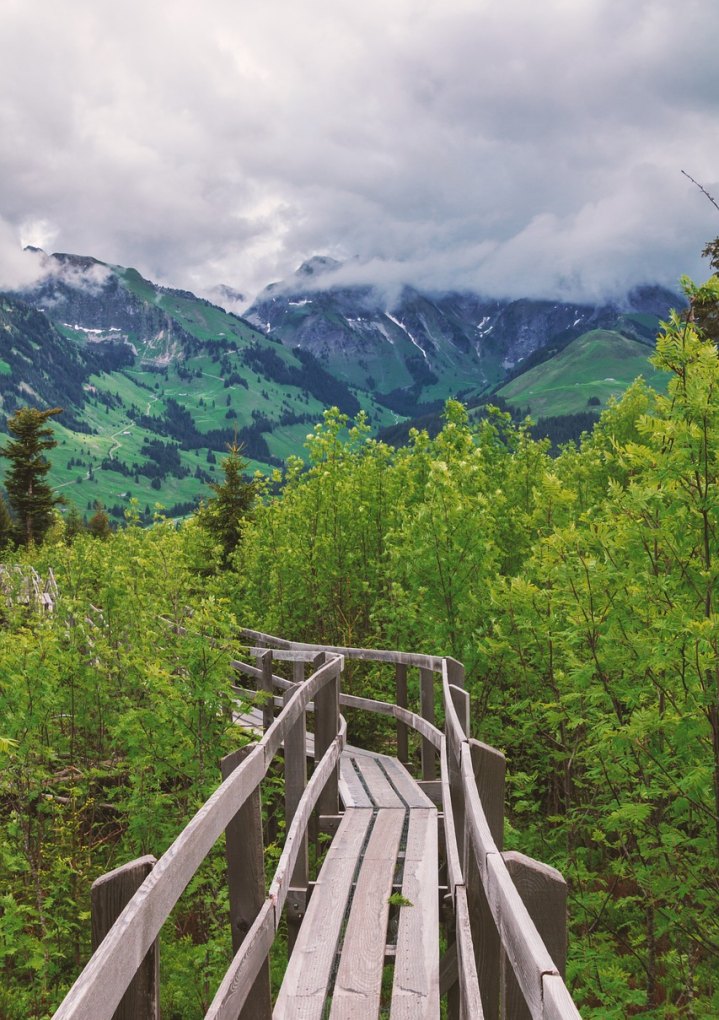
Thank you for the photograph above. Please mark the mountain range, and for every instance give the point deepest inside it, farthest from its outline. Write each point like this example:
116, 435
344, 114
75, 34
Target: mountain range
156, 381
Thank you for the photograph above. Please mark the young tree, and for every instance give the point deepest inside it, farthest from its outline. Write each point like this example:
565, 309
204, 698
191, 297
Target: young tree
31, 498
224, 515
5, 524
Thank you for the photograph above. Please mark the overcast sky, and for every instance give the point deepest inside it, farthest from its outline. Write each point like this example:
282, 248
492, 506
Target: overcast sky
514, 148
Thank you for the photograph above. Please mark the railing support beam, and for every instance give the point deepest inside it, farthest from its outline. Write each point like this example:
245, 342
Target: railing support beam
246, 883
109, 896
426, 701
544, 894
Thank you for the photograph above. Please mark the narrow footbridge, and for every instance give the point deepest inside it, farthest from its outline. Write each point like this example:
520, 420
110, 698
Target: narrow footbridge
392, 891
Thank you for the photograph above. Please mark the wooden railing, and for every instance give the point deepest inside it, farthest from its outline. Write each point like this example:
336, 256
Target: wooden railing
497, 964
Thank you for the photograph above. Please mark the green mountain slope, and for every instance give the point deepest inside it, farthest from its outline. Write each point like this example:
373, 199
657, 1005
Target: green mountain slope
155, 383
594, 367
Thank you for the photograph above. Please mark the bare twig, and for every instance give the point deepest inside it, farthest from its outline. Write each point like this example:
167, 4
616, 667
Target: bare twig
702, 189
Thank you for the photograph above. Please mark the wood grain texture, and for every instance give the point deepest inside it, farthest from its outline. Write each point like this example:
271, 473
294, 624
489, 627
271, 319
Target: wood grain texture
307, 977
244, 853
296, 781
524, 949
470, 999
433, 662
358, 985
400, 679
412, 794
415, 987
295, 833
558, 1004
489, 772
109, 896
380, 790
351, 790
230, 1000
426, 699
454, 861
543, 892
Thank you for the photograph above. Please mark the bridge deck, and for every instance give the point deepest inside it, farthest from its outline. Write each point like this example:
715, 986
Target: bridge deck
356, 948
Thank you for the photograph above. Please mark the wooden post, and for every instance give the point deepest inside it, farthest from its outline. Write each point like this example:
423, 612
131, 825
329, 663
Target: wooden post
544, 894
489, 768
426, 701
246, 883
295, 783
400, 672
264, 662
327, 723
455, 674
109, 896
460, 701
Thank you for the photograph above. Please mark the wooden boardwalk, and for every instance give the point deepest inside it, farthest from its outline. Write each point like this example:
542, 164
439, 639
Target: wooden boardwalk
415, 911
385, 849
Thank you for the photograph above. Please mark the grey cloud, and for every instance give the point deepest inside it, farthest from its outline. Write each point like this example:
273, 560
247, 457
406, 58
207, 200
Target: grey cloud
518, 149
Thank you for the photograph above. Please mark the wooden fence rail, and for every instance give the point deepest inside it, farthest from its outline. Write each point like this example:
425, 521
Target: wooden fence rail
505, 915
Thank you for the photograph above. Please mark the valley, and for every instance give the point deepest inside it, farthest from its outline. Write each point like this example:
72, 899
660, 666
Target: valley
155, 382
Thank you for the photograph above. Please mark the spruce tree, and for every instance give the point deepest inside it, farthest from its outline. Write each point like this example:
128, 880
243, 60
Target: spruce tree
31, 499
224, 515
6, 528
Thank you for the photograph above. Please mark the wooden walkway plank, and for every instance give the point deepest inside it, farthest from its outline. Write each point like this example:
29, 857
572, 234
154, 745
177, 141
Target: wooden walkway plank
409, 791
307, 977
351, 790
380, 790
358, 985
415, 992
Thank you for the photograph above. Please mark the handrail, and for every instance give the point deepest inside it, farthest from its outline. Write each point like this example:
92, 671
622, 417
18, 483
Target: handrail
542, 986
100, 987
468, 839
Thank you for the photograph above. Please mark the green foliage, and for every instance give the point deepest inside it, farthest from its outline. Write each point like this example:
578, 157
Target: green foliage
581, 594
579, 591
31, 498
224, 516
118, 721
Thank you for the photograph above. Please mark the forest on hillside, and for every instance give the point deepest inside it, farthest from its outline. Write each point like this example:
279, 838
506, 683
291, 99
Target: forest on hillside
580, 591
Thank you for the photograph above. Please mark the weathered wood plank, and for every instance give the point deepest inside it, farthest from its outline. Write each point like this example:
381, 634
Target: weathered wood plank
97, 992
489, 771
109, 896
426, 699
476, 822
470, 999
424, 728
264, 685
230, 1000
544, 893
358, 985
380, 790
293, 840
525, 950
244, 852
306, 979
415, 989
454, 863
488, 768
400, 674
409, 791
296, 779
351, 790
433, 662
327, 714
558, 1004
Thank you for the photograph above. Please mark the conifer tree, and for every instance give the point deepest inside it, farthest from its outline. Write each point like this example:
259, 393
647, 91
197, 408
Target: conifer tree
31, 499
5, 524
224, 515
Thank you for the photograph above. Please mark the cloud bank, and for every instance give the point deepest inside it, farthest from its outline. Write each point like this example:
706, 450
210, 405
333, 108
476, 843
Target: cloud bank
528, 149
